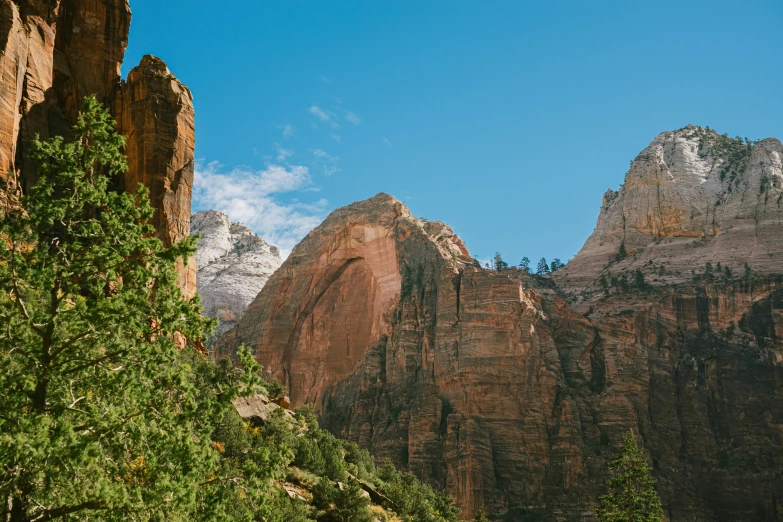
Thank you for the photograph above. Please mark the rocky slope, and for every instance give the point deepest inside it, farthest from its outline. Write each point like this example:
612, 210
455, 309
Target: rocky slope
53, 53
512, 393
233, 264
691, 197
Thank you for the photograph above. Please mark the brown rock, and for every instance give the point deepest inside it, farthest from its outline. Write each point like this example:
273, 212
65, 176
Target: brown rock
155, 113
91, 40
53, 53
13, 61
493, 387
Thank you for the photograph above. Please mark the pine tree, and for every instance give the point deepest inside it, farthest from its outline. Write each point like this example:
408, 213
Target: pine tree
498, 262
556, 265
622, 253
638, 279
105, 412
524, 265
543, 267
480, 516
632, 496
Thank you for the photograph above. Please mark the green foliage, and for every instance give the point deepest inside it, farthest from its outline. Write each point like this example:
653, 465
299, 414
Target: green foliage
274, 390
524, 265
622, 253
412, 500
638, 279
543, 267
556, 265
480, 516
748, 271
359, 462
343, 503
107, 405
632, 496
318, 450
498, 263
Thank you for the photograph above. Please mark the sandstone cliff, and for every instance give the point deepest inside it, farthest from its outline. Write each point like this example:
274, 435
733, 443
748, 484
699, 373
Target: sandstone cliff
233, 264
691, 197
53, 53
494, 387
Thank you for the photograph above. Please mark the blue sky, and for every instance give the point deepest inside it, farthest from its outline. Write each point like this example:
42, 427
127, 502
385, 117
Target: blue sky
508, 120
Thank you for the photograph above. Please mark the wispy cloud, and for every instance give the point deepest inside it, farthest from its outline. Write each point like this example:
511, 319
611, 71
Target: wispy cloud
336, 137
387, 142
289, 131
352, 118
324, 79
327, 162
251, 197
283, 154
325, 116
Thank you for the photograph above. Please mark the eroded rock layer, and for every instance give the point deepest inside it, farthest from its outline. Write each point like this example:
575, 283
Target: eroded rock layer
154, 111
233, 265
494, 387
692, 197
53, 53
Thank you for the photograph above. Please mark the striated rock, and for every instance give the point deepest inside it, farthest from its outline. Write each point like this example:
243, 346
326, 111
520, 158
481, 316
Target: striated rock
155, 113
492, 386
233, 264
53, 53
13, 62
691, 197
92, 37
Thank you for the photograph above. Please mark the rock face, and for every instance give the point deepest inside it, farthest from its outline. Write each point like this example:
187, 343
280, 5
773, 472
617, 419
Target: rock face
155, 113
53, 53
691, 197
233, 264
494, 387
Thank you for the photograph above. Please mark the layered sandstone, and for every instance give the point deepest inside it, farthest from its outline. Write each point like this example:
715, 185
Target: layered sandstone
691, 197
53, 53
154, 111
233, 265
497, 389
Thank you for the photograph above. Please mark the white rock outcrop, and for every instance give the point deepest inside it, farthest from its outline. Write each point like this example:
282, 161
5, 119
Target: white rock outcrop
233, 263
691, 197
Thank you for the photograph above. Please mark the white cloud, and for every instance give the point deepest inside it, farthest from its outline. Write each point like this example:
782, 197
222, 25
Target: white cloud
352, 118
327, 162
251, 197
387, 142
324, 79
283, 154
337, 138
288, 130
325, 116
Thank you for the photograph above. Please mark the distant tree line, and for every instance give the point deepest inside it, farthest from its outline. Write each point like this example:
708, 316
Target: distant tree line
542, 268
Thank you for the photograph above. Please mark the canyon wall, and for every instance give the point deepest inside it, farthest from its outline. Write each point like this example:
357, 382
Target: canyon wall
53, 53
512, 391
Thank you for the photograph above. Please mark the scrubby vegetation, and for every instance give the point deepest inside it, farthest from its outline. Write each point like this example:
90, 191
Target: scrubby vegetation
111, 410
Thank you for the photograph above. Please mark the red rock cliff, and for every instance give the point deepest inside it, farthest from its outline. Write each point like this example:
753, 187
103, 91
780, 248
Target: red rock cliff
53, 53
492, 386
